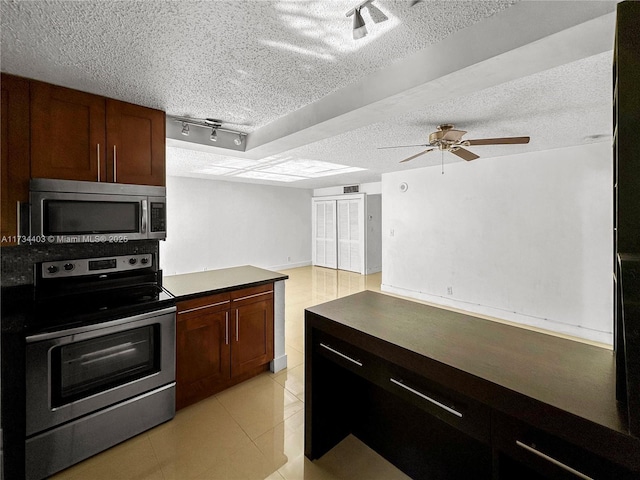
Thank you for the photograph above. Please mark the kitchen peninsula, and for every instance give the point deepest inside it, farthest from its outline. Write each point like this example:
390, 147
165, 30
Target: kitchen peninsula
444, 395
229, 327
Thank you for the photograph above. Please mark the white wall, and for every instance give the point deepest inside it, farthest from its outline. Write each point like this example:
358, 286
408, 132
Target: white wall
373, 222
525, 238
213, 224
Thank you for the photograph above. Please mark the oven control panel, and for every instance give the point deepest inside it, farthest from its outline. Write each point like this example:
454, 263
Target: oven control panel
95, 266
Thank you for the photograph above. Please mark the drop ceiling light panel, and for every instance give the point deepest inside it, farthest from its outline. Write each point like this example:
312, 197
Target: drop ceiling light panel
185, 162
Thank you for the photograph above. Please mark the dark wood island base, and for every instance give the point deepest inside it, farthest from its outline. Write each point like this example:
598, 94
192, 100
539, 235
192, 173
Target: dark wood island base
443, 395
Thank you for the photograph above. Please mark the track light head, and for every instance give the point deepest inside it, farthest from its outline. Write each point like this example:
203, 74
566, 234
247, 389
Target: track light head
376, 14
185, 129
238, 140
359, 28
214, 135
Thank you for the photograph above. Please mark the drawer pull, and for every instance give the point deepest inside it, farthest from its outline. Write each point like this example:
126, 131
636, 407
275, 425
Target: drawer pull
428, 399
341, 354
251, 296
202, 307
553, 460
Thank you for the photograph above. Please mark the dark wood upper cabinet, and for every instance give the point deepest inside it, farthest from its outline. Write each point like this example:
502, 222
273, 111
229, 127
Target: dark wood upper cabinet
136, 144
14, 157
80, 136
67, 134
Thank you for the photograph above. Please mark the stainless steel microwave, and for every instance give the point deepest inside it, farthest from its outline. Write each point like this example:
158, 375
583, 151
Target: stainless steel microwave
67, 211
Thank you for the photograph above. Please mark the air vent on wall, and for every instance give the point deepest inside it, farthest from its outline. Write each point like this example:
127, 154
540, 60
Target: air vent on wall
352, 189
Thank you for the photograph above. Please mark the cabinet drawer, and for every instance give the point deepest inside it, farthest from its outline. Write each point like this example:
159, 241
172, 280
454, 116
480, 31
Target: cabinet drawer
210, 303
253, 294
358, 361
457, 410
550, 457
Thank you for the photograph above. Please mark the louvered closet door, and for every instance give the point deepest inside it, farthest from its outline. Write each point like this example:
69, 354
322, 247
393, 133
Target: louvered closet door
324, 236
350, 235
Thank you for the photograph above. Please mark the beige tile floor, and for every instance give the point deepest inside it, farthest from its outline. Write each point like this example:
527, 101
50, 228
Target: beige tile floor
254, 430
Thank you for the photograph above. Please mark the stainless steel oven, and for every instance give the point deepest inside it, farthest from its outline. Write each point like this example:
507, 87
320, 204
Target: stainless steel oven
100, 359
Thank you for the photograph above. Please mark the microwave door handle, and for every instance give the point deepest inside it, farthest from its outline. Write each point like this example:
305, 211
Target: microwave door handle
144, 216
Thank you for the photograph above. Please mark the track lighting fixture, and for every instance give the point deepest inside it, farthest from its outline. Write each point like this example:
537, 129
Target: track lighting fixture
216, 129
359, 28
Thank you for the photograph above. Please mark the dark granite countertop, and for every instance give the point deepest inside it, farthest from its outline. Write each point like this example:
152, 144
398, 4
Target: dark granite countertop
191, 285
16, 307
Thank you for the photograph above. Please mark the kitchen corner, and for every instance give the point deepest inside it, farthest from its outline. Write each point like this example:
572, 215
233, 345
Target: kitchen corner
230, 327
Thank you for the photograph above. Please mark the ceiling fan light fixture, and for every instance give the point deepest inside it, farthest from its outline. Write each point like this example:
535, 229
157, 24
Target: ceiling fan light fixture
376, 14
359, 27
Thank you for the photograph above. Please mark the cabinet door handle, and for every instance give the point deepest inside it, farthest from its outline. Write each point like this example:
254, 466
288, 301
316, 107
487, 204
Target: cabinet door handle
428, 399
237, 335
553, 460
226, 328
357, 362
98, 149
115, 165
18, 221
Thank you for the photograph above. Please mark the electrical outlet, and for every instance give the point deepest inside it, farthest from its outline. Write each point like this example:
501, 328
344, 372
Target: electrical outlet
392, 233
288, 259
449, 290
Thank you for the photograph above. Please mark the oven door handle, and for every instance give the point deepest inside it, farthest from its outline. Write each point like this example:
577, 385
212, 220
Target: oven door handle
144, 216
98, 326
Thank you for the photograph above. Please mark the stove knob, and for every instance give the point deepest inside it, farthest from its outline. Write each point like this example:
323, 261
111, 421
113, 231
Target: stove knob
52, 269
132, 261
69, 266
144, 260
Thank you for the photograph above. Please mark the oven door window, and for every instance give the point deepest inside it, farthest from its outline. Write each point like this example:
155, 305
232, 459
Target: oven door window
66, 217
88, 367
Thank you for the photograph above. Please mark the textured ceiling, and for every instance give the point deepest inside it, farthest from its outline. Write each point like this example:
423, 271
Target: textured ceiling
254, 62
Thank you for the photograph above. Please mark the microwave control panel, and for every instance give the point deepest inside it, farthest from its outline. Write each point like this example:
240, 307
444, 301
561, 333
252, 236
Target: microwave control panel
158, 217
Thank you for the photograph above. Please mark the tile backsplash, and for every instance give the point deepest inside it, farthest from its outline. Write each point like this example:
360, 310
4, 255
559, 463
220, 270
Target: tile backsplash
18, 261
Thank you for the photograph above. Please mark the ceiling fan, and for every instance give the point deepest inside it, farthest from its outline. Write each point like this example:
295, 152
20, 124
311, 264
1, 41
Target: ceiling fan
446, 138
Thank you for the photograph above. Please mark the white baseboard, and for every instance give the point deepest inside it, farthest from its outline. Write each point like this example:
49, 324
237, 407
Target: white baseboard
496, 314
278, 364
287, 266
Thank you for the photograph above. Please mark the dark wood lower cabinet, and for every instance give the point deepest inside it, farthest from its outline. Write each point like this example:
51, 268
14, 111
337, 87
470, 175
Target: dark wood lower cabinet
222, 340
365, 375
253, 332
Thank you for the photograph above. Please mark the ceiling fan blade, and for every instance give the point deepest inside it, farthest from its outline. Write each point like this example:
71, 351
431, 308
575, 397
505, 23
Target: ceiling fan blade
499, 141
464, 154
453, 135
403, 146
417, 155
